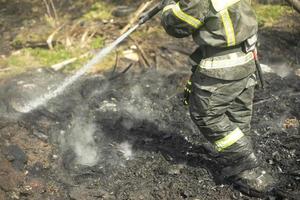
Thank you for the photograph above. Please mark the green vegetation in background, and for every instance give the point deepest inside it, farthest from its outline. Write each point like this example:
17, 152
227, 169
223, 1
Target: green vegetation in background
268, 15
15, 61
50, 57
16, 64
97, 42
29, 58
99, 11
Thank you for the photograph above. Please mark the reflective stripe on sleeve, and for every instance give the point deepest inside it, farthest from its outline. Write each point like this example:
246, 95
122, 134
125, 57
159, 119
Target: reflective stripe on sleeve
228, 26
222, 4
168, 7
232, 61
229, 140
183, 16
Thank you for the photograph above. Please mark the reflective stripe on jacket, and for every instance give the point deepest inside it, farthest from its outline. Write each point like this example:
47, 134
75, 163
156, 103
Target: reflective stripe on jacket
209, 23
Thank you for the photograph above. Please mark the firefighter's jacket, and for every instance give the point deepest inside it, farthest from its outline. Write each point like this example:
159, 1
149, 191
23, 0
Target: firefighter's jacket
215, 24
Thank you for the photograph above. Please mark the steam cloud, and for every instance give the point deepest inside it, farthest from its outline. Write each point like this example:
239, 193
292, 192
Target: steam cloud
80, 139
83, 143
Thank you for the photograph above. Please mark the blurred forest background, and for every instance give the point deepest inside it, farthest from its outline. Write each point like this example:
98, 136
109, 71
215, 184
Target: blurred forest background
36, 33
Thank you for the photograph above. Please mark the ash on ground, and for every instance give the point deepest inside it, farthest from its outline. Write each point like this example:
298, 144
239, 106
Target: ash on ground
131, 138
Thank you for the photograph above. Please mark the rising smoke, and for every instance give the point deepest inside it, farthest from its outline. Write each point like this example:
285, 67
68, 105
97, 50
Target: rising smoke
43, 99
81, 140
138, 105
282, 69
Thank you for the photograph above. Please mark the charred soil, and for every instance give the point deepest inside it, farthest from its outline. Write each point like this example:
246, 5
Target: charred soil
132, 139
128, 136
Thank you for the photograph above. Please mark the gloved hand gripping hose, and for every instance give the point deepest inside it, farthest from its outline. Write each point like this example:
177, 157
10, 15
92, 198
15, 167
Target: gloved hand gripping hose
152, 12
188, 88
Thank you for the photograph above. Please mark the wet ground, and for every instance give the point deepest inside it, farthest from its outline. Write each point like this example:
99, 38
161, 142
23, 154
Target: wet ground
130, 138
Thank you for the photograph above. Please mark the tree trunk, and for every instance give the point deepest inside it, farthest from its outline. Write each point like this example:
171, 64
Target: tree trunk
295, 4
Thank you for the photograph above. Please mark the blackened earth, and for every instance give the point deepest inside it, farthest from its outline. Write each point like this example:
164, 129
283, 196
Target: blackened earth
131, 138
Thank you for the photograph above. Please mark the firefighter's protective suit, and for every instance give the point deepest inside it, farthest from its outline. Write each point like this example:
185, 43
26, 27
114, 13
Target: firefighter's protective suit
223, 80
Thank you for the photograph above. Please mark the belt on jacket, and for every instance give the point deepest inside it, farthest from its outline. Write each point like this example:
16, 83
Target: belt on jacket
209, 51
204, 52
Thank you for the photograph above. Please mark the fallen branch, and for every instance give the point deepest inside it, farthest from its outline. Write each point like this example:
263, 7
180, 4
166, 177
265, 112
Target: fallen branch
86, 37
276, 98
142, 53
92, 35
116, 64
68, 41
54, 11
68, 37
136, 15
264, 101
294, 94
50, 38
40, 135
5, 70
123, 72
83, 37
61, 65
48, 8
33, 44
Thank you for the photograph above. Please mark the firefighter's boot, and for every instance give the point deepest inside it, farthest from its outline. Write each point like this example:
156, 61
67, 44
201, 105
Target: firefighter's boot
255, 182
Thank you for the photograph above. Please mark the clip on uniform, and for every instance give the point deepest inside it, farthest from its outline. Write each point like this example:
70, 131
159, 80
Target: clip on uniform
187, 92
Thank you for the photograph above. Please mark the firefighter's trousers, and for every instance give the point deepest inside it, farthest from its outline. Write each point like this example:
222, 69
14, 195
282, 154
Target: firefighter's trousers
222, 110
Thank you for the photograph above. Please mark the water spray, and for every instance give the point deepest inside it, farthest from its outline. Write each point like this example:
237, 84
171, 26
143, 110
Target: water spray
42, 100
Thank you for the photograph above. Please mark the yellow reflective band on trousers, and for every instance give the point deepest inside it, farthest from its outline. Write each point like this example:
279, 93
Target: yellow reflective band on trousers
229, 140
228, 26
183, 16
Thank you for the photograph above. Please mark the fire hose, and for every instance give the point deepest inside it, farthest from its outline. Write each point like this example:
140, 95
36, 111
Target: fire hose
151, 13
43, 99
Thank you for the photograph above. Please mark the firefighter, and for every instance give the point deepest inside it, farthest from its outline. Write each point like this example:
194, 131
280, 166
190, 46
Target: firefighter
221, 88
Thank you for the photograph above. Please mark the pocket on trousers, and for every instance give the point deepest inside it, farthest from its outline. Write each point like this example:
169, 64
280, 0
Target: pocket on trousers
201, 100
252, 81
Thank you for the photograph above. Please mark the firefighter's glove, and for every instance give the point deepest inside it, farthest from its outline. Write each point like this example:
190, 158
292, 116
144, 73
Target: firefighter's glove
187, 92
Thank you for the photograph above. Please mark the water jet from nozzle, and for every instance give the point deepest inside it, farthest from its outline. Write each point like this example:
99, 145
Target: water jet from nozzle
42, 100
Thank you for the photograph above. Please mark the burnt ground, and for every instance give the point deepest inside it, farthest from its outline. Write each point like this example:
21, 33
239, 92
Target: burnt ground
130, 137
